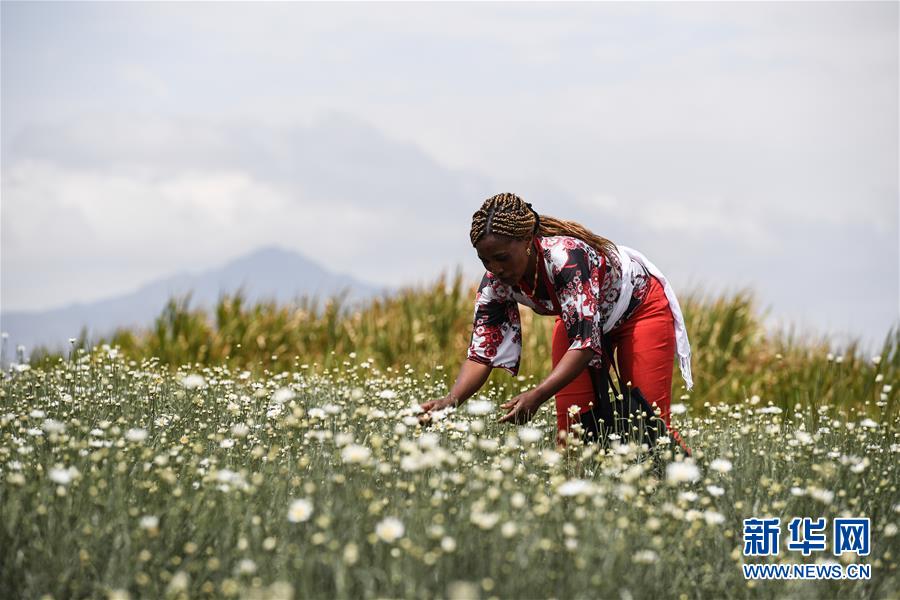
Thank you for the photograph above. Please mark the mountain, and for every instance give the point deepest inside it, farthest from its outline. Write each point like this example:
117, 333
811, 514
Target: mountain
269, 273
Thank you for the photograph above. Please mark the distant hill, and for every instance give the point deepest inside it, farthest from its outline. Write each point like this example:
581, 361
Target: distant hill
270, 273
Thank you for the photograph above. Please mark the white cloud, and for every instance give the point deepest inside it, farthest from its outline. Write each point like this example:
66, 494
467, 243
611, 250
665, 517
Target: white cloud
147, 201
145, 81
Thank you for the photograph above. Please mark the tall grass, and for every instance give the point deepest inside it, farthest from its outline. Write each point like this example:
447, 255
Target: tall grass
430, 326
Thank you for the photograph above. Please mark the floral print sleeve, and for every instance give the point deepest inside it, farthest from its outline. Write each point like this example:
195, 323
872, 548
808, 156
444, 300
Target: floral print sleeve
497, 330
581, 280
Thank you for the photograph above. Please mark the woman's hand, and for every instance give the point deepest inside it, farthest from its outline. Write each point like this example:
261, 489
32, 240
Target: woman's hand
522, 407
436, 404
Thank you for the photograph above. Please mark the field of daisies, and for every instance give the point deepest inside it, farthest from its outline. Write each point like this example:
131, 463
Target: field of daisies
129, 479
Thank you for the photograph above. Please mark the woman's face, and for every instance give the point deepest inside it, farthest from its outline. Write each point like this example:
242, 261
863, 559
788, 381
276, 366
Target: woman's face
504, 257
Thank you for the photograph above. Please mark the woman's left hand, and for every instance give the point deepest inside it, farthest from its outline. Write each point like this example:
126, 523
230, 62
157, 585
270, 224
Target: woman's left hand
521, 408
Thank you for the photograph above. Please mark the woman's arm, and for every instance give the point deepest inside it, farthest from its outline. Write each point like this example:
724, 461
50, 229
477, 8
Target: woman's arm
569, 367
472, 376
522, 407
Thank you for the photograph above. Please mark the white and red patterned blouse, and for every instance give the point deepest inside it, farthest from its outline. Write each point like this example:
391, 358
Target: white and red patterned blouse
587, 286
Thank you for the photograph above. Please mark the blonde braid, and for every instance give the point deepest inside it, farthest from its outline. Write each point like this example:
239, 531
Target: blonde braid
508, 215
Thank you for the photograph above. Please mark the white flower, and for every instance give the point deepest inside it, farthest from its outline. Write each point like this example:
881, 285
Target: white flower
509, 529
37, 414
149, 522
713, 518
300, 510
389, 529
645, 556
803, 437
282, 395
439, 415
678, 409
550, 457
679, 472
530, 435
485, 520
63, 476
136, 434
720, 465
769, 410
342, 438
355, 454
53, 426
480, 407
488, 444
226, 443
387, 394
246, 567
411, 462
429, 440
868, 423
715, 490
518, 500
228, 476
351, 553
193, 382
448, 544
688, 496
823, 496
240, 430
179, 583
574, 487
860, 465
316, 413
332, 409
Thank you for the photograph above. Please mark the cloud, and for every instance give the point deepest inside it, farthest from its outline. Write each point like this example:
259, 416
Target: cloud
152, 196
145, 81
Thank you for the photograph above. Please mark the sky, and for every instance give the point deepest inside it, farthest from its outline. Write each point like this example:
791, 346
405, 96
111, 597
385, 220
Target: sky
737, 145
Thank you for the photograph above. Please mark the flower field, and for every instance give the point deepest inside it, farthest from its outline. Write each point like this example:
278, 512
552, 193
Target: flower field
127, 478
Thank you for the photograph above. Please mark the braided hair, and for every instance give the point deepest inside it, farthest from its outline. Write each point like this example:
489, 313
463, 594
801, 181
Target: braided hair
510, 216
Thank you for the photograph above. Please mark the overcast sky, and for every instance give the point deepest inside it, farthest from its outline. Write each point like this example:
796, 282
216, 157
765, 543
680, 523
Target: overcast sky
737, 145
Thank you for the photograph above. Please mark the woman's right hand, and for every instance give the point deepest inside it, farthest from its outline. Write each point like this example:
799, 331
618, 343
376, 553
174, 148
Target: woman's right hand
472, 376
436, 404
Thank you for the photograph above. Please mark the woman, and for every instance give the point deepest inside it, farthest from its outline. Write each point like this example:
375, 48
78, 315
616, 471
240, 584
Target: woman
597, 290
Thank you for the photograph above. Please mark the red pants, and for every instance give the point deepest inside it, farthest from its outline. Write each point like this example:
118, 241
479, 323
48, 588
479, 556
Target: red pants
645, 351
